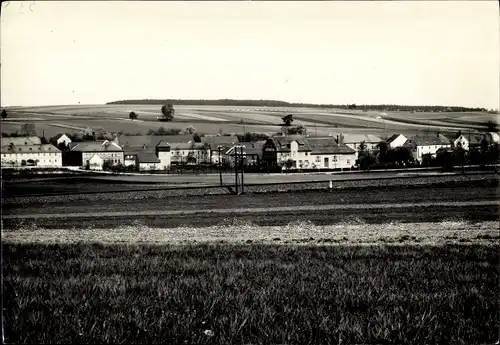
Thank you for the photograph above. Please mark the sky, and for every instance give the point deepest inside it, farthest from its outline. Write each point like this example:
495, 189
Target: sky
367, 52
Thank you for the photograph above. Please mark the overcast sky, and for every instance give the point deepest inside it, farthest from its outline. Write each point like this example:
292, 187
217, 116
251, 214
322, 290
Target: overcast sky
408, 52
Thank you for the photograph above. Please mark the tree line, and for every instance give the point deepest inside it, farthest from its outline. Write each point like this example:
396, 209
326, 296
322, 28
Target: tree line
274, 103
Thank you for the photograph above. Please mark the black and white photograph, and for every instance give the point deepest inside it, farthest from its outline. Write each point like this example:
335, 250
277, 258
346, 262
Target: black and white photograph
250, 172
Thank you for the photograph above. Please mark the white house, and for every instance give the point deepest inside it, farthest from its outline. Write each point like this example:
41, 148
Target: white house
327, 154
96, 162
462, 142
185, 153
43, 156
311, 152
81, 153
397, 140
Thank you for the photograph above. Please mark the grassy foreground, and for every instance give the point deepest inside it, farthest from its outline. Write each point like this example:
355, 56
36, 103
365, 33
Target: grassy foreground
240, 294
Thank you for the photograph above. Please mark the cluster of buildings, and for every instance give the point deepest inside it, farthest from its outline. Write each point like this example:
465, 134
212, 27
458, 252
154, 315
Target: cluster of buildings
146, 153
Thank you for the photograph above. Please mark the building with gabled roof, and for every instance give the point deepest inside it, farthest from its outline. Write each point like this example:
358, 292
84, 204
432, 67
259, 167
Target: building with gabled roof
79, 153
219, 143
396, 140
426, 143
43, 155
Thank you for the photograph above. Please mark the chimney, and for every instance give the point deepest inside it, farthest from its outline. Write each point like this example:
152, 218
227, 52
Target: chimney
338, 139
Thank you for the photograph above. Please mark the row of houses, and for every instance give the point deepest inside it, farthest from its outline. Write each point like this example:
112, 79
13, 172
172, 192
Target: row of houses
162, 152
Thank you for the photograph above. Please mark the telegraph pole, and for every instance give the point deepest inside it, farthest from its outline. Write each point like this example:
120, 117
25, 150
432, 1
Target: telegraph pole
220, 165
242, 168
236, 168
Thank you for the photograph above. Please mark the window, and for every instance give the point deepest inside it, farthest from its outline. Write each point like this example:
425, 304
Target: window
294, 153
318, 159
334, 158
348, 161
31, 149
19, 149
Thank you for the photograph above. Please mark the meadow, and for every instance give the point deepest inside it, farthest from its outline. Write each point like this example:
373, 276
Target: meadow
241, 294
51, 120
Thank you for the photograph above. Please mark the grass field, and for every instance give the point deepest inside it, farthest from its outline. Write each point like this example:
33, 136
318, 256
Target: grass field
242, 294
211, 119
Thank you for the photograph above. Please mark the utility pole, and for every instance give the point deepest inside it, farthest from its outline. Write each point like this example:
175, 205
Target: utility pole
236, 168
220, 165
242, 168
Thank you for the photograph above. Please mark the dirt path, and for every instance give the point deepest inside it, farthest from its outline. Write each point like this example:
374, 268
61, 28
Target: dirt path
330, 207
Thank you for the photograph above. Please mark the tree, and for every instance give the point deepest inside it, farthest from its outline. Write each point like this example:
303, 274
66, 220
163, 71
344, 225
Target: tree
289, 163
362, 146
197, 138
492, 126
188, 130
287, 120
459, 133
44, 141
300, 129
133, 115
168, 112
4, 114
383, 148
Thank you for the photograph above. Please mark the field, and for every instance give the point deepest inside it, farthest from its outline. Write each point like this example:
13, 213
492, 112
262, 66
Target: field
51, 120
242, 294
399, 261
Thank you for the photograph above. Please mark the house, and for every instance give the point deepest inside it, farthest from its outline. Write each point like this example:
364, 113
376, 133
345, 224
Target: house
148, 161
186, 153
80, 153
307, 153
19, 141
252, 153
96, 162
162, 151
327, 154
483, 140
61, 139
423, 144
396, 140
41, 155
224, 142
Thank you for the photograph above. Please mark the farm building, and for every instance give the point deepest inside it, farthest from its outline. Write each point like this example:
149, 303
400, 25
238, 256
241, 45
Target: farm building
226, 142
424, 144
42, 155
462, 142
162, 151
80, 153
397, 140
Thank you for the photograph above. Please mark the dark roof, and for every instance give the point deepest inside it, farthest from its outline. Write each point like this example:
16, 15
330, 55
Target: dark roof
21, 141
184, 146
29, 148
429, 139
147, 157
255, 147
128, 141
328, 145
222, 140
392, 138
282, 143
96, 146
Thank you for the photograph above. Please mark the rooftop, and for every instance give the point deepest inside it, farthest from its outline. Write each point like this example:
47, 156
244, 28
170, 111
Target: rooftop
21, 141
96, 146
46, 148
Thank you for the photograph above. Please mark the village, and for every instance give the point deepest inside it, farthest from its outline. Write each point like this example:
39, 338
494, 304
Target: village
276, 153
